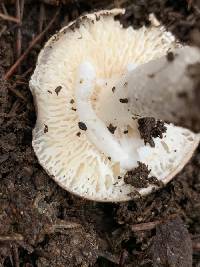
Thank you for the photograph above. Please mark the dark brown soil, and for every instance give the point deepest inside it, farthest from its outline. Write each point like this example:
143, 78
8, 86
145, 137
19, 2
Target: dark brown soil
139, 177
172, 244
112, 128
150, 128
43, 225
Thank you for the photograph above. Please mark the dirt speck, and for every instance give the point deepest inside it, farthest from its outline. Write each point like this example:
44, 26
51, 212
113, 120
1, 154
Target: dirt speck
170, 56
46, 129
112, 128
113, 89
82, 126
58, 89
123, 100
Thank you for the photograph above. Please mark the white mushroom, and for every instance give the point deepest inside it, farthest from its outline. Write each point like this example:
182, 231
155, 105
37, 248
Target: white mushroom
79, 84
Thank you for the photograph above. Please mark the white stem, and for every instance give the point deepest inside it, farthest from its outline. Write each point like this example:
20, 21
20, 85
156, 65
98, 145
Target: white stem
97, 131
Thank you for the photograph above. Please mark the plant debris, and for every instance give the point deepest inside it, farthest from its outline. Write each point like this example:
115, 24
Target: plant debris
150, 128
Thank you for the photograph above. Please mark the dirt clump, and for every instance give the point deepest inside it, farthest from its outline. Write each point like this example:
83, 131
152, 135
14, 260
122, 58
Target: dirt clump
150, 128
139, 177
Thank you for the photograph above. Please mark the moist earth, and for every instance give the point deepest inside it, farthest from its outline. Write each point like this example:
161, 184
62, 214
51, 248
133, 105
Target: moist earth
150, 128
139, 177
43, 225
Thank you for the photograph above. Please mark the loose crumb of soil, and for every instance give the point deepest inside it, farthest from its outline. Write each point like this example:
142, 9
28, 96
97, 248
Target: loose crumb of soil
139, 177
113, 89
170, 56
58, 89
123, 100
46, 129
112, 128
150, 128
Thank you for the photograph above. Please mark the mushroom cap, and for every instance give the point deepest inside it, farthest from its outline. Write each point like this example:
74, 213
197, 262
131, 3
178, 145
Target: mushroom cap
60, 139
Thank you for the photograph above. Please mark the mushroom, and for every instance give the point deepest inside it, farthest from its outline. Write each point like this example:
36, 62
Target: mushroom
86, 135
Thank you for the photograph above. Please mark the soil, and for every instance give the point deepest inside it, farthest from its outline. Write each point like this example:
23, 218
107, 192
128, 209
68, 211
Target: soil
150, 128
43, 225
139, 177
112, 128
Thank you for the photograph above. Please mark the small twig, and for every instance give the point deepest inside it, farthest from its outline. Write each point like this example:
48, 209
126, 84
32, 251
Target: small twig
149, 225
21, 83
110, 257
27, 72
22, 9
4, 8
13, 237
17, 93
123, 258
65, 225
10, 255
189, 4
18, 32
196, 246
3, 30
18, 11
14, 108
15, 255
144, 226
42, 17
196, 9
197, 236
10, 72
9, 18
26, 246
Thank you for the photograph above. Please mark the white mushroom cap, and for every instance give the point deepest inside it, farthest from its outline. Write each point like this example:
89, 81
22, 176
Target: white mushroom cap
72, 88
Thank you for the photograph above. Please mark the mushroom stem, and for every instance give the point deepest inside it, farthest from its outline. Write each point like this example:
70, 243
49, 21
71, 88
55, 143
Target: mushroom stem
97, 131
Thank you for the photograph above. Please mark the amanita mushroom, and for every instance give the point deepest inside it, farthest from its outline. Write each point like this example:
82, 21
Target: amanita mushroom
86, 135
